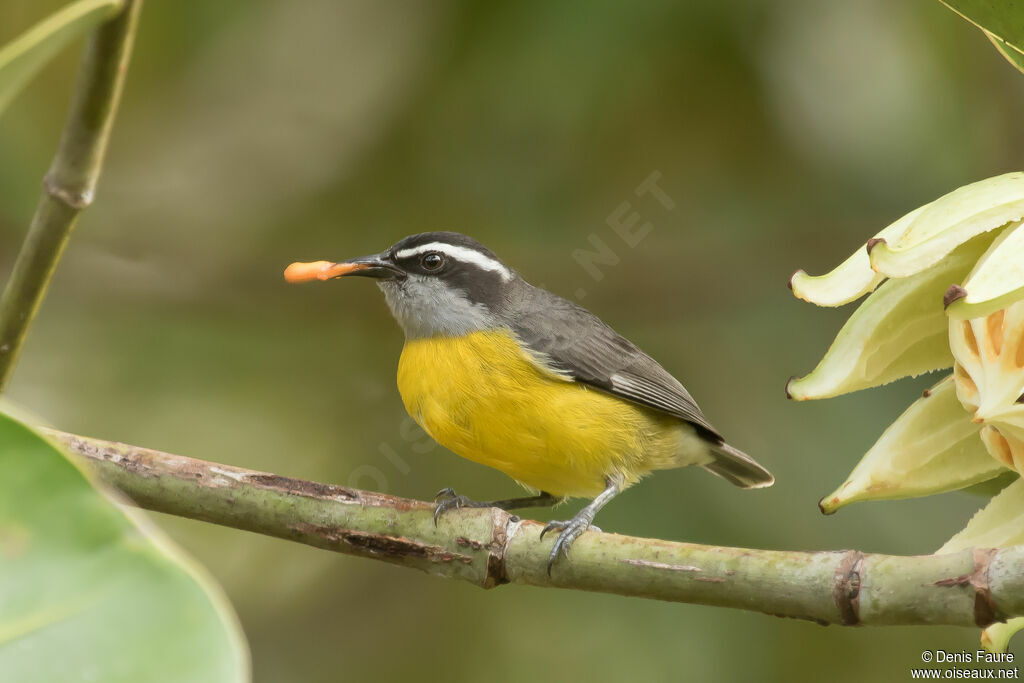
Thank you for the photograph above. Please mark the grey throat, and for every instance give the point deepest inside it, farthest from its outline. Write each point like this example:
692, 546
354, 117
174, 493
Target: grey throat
429, 307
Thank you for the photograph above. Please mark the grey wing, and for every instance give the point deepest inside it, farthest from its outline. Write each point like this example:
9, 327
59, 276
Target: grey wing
579, 344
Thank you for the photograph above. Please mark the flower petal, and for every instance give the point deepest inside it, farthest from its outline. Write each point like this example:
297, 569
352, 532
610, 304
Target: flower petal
996, 638
996, 281
989, 374
997, 525
899, 330
931, 448
950, 221
853, 278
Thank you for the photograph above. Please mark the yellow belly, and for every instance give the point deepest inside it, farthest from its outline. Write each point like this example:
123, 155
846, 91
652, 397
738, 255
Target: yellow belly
482, 397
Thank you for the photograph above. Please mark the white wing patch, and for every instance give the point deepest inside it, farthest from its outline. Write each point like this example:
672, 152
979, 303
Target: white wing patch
464, 254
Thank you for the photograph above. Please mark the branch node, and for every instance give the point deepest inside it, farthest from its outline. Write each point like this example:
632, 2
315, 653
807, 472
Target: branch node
504, 527
985, 610
73, 199
846, 587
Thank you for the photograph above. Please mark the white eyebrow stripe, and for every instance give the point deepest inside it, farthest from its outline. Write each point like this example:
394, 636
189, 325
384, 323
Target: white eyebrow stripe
458, 253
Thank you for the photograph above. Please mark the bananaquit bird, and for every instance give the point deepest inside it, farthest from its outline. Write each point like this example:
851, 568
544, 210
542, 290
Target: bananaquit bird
512, 376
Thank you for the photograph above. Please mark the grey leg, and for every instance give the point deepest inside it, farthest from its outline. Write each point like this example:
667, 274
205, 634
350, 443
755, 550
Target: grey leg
446, 499
572, 528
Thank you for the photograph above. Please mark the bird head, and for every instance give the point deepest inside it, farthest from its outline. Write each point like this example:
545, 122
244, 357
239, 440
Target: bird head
436, 283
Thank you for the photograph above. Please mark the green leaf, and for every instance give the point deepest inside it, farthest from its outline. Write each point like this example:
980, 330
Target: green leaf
21, 58
1002, 22
931, 448
1012, 56
86, 594
899, 330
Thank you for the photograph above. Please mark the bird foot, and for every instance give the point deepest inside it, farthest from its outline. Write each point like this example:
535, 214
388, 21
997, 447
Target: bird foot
570, 531
446, 499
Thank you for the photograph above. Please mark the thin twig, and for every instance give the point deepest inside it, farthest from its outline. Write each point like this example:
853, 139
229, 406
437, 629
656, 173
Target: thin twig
70, 184
489, 547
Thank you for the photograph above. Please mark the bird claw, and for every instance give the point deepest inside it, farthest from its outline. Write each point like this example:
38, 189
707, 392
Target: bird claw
570, 531
552, 526
446, 499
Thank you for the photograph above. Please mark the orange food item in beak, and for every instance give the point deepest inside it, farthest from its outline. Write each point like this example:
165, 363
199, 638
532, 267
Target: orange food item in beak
318, 270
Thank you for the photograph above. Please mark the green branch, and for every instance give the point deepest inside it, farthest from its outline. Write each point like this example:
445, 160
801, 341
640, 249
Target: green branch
491, 547
70, 183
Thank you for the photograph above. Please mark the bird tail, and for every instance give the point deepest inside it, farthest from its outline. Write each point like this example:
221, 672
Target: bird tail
738, 468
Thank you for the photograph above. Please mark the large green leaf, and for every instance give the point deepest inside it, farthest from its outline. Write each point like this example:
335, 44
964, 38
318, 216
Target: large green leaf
21, 58
1012, 56
1002, 22
87, 595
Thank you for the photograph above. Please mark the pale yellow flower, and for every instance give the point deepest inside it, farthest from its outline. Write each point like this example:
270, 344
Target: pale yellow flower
945, 287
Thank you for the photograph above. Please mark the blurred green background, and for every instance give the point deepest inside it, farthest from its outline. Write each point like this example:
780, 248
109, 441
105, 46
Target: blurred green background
256, 133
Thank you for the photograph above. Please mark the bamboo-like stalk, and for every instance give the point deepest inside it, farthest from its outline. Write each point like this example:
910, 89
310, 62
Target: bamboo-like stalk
489, 547
70, 184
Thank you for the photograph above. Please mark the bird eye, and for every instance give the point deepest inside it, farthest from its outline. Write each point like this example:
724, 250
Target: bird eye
432, 260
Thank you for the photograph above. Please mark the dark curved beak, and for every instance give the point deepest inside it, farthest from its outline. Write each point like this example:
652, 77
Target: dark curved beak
377, 266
